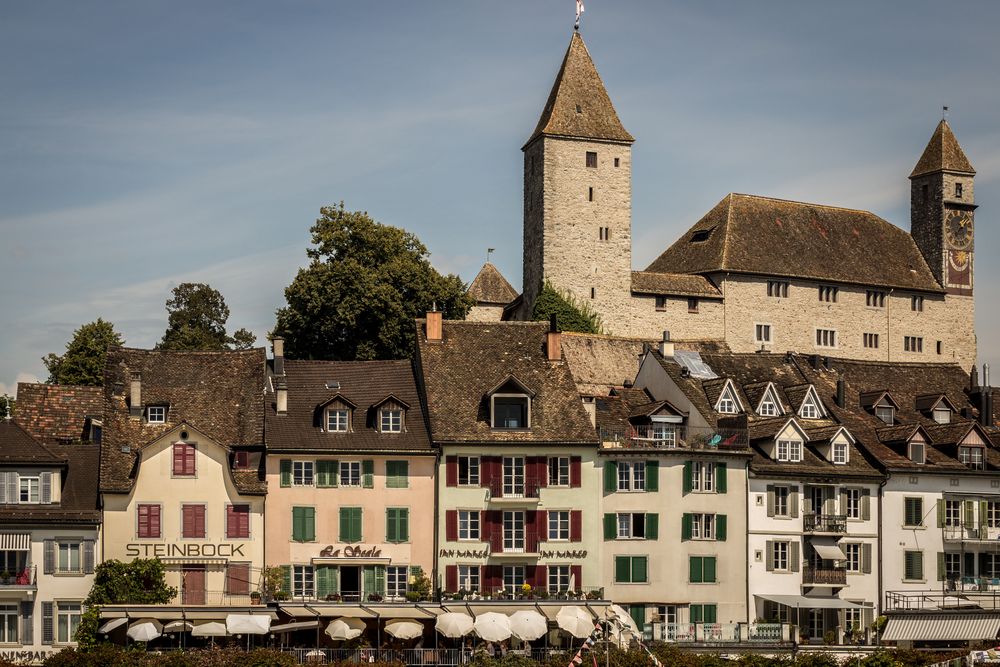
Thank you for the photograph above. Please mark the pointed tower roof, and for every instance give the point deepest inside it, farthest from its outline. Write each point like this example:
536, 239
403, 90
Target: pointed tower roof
942, 154
491, 287
578, 105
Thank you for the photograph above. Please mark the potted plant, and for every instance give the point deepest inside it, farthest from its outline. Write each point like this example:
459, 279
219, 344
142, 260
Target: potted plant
333, 597
375, 597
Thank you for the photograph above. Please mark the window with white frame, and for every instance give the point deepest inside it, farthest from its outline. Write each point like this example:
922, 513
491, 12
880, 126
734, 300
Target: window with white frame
67, 621
780, 555
972, 457
952, 513
513, 578
768, 407
702, 526
468, 524
762, 333
853, 552
777, 289
632, 476
631, 526
942, 414
302, 473
558, 471
727, 402
558, 525
395, 581
337, 420
156, 414
789, 450
826, 338
303, 581
468, 577
952, 565
703, 476
664, 435
916, 451
781, 504
558, 578
853, 620
9, 619
886, 412
350, 473
993, 514
468, 471
809, 409
852, 499
991, 565
840, 452
68, 557
390, 420
29, 489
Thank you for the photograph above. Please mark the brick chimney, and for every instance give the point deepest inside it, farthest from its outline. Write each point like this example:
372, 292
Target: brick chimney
135, 396
553, 340
281, 397
434, 326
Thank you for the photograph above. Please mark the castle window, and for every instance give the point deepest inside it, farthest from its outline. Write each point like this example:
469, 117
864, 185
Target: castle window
590, 194
828, 293
870, 340
661, 303
762, 333
875, 298
913, 344
579, 109
692, 305
592, 159
593, 292
917, 303
958, 190
616, 163
940, 347
826, 338
777, 288
604, 233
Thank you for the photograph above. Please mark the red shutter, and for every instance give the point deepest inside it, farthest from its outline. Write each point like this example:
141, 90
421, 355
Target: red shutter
451, 578
539, 580
543, 525
576, 574
199, 518
535, 471
451, 471
238, 521
492, 469
238, 579
183, 459
154, 521
142, 520
451, 525
187, 521
531, 531
575, 475
494, 577
575, 525
178, 458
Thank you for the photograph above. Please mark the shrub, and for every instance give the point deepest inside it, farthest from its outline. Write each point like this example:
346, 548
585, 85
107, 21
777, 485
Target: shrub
571, 314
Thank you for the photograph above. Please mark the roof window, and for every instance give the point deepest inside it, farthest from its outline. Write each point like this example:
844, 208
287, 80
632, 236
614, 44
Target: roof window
701, 235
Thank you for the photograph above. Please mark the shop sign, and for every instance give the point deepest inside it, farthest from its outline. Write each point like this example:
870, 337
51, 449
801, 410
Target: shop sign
464, 553
192, 550
350, 552
579, 554
25, 657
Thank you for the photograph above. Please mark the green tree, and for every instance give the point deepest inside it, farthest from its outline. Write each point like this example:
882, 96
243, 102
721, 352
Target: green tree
83, 361
6, 404
196, 320
365, 284
571, 315
140, 581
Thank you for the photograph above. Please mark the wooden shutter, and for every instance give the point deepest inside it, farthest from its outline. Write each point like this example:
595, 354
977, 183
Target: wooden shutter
404, 525
326, 474
793, 501
652, 526
940, 566
286, 579
983, 510
575, 472
45, 482
720, 527
48, 556
793, 556
326, 581
368, 474
27, 623
687, 476
940, 514
238, 578
610, 526
535, 472
88, 556
769, 555
4, 477
770, 499
610, 476
493, 577
238, 521
695, 572
285, 466
451, 525
298, 529
807, 503
721, 478
640, 569
843, 501
623, 570
652, 476
576, 574
686, 520
391, 534
48, 625
708, 563
866, 509
539, 578
531, 531
451, 578
451, 477
575, 525
969, 512
866, 558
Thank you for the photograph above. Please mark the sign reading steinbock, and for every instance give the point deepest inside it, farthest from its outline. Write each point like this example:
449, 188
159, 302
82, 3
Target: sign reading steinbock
145, 550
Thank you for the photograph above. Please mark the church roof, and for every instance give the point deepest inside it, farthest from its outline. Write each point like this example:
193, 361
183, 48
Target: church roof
775, 237
491, 287
942, 154
578, 105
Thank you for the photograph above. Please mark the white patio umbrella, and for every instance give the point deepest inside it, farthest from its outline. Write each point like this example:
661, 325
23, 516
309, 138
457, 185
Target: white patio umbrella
403, 628
145, 630
343, 628
111, 625
210, 629
454, 624
493, 627
178, 626
575, 620
248, 624
624, 619
528, 625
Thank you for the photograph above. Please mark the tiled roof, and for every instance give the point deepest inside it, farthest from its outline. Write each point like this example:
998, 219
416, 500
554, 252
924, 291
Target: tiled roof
56, 413
17, 446
365, 384
942, 154
490, 287
674, 284
774, 237
599, 363
473, 358
219, 393
579, 105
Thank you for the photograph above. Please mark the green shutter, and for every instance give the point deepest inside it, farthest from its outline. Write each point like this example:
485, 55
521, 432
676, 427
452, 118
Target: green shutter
369, 580
404, 525
709, 613
721, 481
286, 579
397, 474
940, 563
368, 474
610, 526
356, 524
396, 524
610, 476
326, 474
696, 613
380, 579
622, 570
640, 569
709, 564
310, 522
970, 515
694, 569
652, 526
345, 525
390, 524
298, 524
652, 475
285, 465
983, 513
940, 514
685, 526
720, 527
687, 477
324, 579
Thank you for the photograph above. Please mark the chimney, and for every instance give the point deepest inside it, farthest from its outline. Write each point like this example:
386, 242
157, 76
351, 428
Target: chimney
281, 398
553, 340
986, 375
814, 362
434, 324
974, 379
135, 396
278, 348
666, 347
986, 399
841, 393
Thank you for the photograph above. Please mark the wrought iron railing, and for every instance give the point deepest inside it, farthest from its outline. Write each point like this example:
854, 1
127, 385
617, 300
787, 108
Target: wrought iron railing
535, 593
521, 487
23, 578
836, 576
673, 436
513, 542
824, 523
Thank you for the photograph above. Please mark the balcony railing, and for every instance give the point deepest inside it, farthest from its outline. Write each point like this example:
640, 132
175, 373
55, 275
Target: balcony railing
722, 633
523, 488
824, 523
672, 436
972, 533
835, 576
956, 596
356, 597
530, 593
519, 543
24, 578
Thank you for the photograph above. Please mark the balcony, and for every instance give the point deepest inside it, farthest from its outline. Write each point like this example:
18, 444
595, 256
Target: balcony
522, 592
969, 533
824, 576
824, 523
722, 633
518, 544
673, 436
518, 489
23, 582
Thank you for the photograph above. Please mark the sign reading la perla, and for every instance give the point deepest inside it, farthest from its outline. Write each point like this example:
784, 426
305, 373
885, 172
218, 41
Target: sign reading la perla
189, 550
350, 552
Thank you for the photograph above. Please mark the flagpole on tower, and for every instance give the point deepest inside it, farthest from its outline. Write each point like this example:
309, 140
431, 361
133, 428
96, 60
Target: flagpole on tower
579, 12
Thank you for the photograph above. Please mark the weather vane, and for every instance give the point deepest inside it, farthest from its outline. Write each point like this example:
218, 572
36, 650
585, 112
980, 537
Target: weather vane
944, 113
489, 251
579, 12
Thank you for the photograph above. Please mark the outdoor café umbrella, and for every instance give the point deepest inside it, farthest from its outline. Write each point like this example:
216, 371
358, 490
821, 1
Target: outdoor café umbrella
402, 628
178, 626
343, 628
493, 627
575, 620
111, 625
454, 624
210, 629
624, 619
528, 625
145, 630
248, 624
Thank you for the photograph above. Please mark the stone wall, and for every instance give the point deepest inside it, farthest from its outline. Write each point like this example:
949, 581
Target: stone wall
927, 214
485, 314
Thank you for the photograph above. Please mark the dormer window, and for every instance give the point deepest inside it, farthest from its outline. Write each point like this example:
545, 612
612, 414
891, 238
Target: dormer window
728, 402
390, 420
916, 452
337, 419
30, 489
942, 415
973, 457
156, 414
886, 413
840, 453
510, 406
808, 409
241, 460
769, 405
789, 450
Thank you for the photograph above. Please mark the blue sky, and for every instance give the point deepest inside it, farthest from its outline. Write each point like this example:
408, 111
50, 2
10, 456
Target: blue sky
147, 144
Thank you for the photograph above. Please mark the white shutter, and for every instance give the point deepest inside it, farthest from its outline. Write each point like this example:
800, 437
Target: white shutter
45, 482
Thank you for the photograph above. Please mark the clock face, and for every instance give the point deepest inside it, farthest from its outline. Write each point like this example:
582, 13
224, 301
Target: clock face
958, 229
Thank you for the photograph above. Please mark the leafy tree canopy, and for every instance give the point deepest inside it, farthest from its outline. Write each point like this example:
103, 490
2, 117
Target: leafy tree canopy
140, 581
83, 361
571, 315
196, 320
365, 284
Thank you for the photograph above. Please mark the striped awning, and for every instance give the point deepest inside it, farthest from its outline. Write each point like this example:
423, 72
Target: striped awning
942, 627
15, 541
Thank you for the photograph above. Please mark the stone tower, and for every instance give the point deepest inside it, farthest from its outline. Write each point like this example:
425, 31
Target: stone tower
578, 192
942, 206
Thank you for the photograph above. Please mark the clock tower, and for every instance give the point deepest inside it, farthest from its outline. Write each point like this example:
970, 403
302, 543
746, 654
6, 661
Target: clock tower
942, 207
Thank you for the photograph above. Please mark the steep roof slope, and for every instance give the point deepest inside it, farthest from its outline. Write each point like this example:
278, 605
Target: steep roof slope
942, 154
490, 287
55, 413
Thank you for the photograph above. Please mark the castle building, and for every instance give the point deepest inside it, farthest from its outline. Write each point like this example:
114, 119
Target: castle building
754, 272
